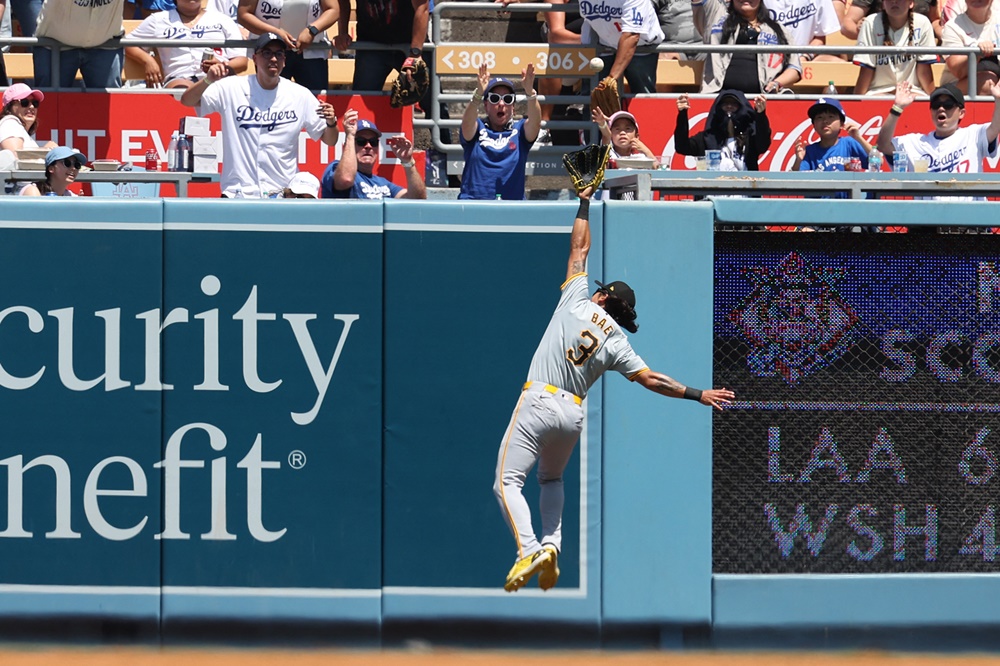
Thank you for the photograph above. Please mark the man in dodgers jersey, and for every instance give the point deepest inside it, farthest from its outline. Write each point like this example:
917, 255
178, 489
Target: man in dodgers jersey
582, 340
262, 117
949, 148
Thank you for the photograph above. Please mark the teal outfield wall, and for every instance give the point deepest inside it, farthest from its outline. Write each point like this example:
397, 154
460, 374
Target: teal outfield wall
274, 411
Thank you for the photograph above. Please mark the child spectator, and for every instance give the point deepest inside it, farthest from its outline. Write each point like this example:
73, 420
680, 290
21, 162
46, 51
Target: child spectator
832, 152
881, 72
621, 131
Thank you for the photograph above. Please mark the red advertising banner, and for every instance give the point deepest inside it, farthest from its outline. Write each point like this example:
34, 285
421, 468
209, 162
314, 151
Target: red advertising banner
124, 125
789, 122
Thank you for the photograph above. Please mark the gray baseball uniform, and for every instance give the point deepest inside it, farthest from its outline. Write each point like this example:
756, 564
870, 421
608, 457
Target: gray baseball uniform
579, 344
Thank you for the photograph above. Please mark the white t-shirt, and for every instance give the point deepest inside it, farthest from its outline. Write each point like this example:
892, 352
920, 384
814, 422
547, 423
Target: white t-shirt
293, 16
962, 152
804, 19
81, 23
227, 7
963, 31
608, 19
260, 132
893, 69
11, 127
185, 61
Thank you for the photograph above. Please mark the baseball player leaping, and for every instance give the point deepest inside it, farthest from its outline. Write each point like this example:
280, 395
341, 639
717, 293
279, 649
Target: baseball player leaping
583, 339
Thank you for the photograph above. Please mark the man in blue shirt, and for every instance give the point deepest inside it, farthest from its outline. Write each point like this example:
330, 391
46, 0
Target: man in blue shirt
353, 177
496, 149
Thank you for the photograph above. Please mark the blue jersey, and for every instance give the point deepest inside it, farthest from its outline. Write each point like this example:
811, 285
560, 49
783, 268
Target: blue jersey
365, 187
495, 163
834, 158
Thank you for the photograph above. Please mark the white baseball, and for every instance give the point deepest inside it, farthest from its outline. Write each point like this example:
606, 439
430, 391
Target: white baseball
596, 64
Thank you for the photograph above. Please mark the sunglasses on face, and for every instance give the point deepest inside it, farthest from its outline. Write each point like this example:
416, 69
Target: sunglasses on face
945, 104
494, 98
25, 103
361, 142
72, 163
268, 54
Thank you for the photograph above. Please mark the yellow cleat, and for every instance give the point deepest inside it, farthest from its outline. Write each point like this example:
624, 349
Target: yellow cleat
525, 568
549, 575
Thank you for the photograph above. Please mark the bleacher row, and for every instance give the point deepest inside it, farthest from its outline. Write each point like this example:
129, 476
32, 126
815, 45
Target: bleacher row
671, 76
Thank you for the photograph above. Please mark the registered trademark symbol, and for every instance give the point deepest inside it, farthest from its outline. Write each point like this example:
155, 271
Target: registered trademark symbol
297, 459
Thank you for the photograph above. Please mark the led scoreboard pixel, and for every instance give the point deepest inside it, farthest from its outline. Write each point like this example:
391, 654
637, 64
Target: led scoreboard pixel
866, 433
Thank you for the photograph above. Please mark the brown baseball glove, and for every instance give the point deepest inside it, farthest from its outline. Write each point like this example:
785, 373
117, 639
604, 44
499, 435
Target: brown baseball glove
605, 96
411, 84
586, 166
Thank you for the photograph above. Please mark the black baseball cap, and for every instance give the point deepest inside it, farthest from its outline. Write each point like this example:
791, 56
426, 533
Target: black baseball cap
949, 90
619, 289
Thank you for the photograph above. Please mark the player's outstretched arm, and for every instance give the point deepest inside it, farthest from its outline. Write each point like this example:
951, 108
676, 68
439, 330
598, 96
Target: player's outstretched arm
579, 242
670, 387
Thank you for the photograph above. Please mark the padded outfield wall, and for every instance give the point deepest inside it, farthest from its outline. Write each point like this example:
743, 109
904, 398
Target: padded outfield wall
290, 411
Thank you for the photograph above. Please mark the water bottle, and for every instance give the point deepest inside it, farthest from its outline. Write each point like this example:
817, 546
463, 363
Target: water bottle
183, 154
875, 160
900, 162
172, 153
830, 89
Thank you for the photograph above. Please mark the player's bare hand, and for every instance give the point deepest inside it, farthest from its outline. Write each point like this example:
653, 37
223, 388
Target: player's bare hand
904, 94
682, 103
717, 397
350, 123
760, 103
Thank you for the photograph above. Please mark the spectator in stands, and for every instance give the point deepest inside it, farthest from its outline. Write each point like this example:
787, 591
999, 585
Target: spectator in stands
62, 166
978, 26
303, 185
82, 27
621, 130
854, 14
744, 22
26, 12
298, 30
19, 118
832, 152
807, 23
262, 117
880, 73
949, 148
227, 7
353, 175
741, 131
185, 65
496, 150
621, 26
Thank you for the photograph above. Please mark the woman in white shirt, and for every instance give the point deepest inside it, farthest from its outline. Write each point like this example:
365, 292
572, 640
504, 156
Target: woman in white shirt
19, 118
62, 166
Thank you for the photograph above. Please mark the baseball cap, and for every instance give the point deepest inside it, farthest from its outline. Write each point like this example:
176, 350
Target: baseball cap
304, 183
368, 125
623, 114
61, 153
20, 91
949, 90
266, 39
619, 289
499, 81
825, 104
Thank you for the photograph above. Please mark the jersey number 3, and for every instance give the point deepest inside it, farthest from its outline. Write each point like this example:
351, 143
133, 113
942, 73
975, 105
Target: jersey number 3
584, 350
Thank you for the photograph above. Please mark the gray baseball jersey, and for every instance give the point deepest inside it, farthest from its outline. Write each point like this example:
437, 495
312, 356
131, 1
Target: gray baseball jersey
580, 343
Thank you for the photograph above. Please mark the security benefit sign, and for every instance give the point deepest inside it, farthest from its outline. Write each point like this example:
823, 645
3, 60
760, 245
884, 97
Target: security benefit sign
866, 437
190, 408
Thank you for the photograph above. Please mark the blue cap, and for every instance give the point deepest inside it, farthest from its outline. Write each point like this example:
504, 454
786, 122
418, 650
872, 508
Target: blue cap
825, 104
499, 81
61, 153
266, 39
368, 125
